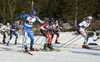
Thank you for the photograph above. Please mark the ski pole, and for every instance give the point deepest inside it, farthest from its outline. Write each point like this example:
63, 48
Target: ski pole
41, 46
38, 38
69, 41
72, 42
42, 41
22, 38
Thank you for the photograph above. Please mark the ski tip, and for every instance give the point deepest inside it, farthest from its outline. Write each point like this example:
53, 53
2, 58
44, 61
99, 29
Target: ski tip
63, 49
92, 44
5, 50
95, 48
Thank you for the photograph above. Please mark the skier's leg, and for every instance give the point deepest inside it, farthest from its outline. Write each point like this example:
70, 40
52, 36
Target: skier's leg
49, 41
85, 41
4, 38
16, 37
31, 35
25, 40
52, 35
57, 33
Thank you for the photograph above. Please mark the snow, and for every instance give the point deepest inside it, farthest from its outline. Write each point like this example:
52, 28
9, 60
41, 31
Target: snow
73, 53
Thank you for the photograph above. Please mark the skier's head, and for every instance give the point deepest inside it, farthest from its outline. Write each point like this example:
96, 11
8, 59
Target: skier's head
51, 23
33, 13
7, 24
15, 21
52, 20
56, 21
89, 18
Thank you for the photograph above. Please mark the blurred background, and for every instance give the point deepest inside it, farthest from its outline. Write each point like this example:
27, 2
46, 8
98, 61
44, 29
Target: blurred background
69, 12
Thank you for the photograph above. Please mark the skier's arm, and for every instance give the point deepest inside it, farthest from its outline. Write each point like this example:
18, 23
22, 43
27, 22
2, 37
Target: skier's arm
46, 27
86, 30
23, 15
81, 25
42, 27
3, 28
39, 20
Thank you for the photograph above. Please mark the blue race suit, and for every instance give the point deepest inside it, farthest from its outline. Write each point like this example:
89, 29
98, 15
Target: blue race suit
12, 32
28, 26
82, 29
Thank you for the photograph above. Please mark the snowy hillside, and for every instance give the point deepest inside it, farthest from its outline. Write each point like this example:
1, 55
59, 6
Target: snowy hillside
71, 53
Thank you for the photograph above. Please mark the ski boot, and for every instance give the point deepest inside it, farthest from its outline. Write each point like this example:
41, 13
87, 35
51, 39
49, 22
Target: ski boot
45, 47
50, 44
8, 44
33, 49
25, 46
56, 42
51, 48
85, 46
4, 41
16, 42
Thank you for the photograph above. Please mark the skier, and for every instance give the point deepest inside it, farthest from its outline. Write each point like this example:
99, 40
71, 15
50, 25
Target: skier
82, 29
13, 32
5, 28
30, 19
45, 30
53, 30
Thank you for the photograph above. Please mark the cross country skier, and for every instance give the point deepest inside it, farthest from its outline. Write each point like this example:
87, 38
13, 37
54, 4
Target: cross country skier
45, 30
13, 32
82, 29
5, 28
53, 30
30, 19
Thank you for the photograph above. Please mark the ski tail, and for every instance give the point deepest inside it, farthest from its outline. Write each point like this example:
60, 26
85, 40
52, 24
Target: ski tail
68, 41
23, 51
27, 52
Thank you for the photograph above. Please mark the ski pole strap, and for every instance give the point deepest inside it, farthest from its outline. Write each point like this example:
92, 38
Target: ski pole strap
72, 42
69, 41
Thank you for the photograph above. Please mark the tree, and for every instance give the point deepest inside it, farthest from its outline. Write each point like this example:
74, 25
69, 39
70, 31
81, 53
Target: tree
3, 6
12, 7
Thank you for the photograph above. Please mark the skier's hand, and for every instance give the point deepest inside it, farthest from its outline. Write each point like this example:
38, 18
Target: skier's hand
24, 11
2, 32
60, 28
86, 31
46, 29
80, 32
45, 20
8, 32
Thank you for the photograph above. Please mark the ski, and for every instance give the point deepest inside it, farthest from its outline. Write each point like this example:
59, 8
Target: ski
92, 48
5, 50
6, 43
55, 43
96, 48
25, 52
68, 41
3, 43
62, 49
48, 50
